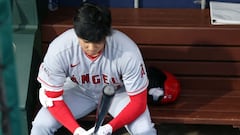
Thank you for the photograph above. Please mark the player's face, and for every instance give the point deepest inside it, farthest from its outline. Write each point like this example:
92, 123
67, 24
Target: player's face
90, 48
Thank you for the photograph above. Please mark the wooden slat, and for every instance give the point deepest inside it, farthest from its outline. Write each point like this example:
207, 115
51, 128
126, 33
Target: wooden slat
191, 52
210, 83
180, 36
206, 92
220, 103
198, 67
190, 117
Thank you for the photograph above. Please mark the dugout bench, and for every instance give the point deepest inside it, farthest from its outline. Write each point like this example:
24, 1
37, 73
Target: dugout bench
204, 58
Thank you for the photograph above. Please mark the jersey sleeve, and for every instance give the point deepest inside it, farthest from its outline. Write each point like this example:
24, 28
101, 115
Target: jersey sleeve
134, 73
51, 72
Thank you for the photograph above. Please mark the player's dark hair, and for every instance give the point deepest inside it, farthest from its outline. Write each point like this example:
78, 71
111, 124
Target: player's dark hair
92, 22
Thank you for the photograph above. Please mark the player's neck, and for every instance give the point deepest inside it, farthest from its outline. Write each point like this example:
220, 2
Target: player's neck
93, 57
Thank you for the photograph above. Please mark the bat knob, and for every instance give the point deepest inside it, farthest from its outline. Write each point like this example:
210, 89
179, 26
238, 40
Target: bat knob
109, 90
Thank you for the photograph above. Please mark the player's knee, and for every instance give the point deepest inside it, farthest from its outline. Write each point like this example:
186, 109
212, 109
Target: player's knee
43, 127
151, 131
142, 125
148, 129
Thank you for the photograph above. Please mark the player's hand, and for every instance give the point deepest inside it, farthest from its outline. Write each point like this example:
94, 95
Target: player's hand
105, 130
80, 131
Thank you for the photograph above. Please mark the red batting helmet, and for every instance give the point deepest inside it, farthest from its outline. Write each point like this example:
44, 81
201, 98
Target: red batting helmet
163, 86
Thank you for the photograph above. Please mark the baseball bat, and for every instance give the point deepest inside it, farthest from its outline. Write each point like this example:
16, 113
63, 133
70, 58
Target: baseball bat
103, 106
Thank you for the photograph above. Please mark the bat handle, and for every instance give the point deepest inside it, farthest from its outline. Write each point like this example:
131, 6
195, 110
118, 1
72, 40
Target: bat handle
105, 102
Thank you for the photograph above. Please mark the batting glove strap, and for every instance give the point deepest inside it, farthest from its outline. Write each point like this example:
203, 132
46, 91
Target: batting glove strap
80, 131
45, 100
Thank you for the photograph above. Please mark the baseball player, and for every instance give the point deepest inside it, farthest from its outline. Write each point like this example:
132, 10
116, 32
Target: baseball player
78, 64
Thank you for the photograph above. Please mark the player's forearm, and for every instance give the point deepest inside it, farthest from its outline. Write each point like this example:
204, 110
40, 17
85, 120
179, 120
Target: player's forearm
53, 100
62, 113
134, 109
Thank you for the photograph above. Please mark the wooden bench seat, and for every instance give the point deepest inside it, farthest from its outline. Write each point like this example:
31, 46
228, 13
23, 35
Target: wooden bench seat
205, 59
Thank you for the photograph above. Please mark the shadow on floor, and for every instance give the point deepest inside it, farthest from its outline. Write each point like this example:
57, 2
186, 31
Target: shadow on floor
181, 129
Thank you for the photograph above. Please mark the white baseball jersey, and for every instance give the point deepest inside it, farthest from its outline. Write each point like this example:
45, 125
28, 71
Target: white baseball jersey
119, 64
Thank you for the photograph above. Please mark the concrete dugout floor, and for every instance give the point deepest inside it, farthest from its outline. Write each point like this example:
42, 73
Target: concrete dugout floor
181, 129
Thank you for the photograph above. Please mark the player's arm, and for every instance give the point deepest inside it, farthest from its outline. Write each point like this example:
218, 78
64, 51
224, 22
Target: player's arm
52, 75
54, 102
135, 81
134, 109
51, 93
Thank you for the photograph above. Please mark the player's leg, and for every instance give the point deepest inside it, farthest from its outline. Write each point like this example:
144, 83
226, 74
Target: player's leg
142, 125
80, 105
44, 123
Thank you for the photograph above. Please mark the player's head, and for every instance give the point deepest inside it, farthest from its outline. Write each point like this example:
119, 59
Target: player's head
92, 22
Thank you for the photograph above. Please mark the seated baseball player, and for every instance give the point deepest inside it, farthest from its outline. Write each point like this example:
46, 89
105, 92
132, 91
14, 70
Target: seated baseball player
92, 55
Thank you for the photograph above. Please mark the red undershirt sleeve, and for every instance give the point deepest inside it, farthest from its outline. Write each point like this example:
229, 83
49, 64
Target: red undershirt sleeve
134, 109
62, 113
